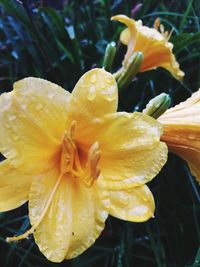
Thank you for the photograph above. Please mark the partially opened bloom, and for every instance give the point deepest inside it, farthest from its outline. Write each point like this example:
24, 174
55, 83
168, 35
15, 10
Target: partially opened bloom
75, 160
182, 131
154, 45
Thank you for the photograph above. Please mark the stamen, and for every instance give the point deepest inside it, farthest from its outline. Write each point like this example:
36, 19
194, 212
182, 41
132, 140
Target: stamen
156, 23
72, 130
162, 29
68, 148
77, 163
93, 171
67, 157
33, 228
170, 34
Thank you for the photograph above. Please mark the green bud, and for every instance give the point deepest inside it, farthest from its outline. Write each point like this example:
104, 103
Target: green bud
158, 105
109, 56
125, 76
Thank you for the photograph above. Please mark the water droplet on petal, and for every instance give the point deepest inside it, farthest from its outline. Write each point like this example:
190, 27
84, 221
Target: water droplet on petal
102, 86
191, 136
11, 117
39, 106
121, 199
93, 78
97, 121
124, 199
51, 94
15, 137
140, 210
176, 137
109, 93
25, 90
91, 93
109, 80
23, 106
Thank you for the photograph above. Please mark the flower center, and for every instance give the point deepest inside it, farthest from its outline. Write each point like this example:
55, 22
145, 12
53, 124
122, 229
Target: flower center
76, 162
72, 163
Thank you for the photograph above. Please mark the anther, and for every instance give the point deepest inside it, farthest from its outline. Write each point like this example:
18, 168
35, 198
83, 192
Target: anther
156, 23
72, 129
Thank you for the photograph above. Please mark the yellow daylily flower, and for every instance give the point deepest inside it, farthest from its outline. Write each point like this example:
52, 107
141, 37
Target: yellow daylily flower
182, 131
154, 45
75, 160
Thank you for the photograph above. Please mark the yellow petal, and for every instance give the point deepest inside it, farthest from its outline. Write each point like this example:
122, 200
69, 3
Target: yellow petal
97, 92
14, 187
45, 101
155, 47
75, 217
182, 131
191, 156
130, 148
125, 36
135, 204
32, 120
132, 153
185, 113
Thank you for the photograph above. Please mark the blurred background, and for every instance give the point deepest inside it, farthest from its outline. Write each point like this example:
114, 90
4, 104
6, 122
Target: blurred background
59, 41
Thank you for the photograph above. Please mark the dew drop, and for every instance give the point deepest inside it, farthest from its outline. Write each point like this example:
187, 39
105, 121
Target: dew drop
124, 199
39, 106
102, 86
109, 80
15, 137
93, 78
121, 199
97, 121
136, 108
23, 106
176, 137
91, 93
191, 136
7, 126
11, 117
109, 93
25, 90
51, 94
140, 210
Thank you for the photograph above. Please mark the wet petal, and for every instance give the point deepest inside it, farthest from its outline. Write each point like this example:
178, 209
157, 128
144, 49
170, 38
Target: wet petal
97, 92
125, 36
191, 156
130, 147
74, 219
155, 47
33, 119
14, 187
182, 131
135, 204
45, 101
184, 140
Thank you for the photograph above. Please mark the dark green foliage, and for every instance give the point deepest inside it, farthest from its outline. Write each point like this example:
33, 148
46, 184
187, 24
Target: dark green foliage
60, 46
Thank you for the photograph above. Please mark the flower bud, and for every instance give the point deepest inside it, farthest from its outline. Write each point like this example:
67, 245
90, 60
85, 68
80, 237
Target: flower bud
109, 56
158, 105
128, 72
